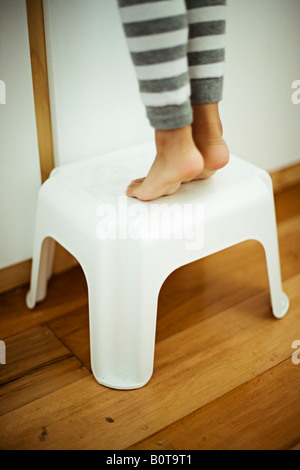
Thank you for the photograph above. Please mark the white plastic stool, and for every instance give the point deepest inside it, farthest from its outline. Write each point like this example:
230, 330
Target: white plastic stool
127, 248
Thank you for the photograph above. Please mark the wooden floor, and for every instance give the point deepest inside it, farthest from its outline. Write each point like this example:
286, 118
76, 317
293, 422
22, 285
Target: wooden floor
223, 375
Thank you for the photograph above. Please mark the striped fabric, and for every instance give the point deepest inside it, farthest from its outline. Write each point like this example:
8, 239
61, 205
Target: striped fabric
177, 48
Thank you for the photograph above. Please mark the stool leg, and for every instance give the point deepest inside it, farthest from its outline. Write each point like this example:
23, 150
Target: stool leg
122, 309
50, 253
41, 270
267, 228
269, 240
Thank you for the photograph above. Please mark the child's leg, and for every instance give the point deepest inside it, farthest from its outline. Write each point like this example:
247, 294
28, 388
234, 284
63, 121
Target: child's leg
206, 53
157, 35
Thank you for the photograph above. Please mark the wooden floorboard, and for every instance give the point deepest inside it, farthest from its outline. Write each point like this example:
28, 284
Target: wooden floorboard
244, 340
223, 376
267, 406
39, 382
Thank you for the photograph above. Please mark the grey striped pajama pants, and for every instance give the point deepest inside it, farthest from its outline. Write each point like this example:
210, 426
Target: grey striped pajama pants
177, 48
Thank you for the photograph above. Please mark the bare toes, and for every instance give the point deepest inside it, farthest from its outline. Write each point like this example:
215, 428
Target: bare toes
137, 181
133, 187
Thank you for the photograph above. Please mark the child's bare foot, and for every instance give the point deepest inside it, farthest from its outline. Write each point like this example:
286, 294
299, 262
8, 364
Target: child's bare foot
177, 160
207, 135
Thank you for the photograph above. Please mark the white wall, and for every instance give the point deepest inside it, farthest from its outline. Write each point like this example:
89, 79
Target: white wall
19, 160
95, 103
261, 123
94, 92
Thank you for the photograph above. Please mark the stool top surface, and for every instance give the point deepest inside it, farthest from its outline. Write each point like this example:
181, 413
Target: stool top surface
105, 178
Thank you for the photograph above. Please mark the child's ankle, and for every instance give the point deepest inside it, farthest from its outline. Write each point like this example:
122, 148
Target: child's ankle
206, 120
167, 139
207, 112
